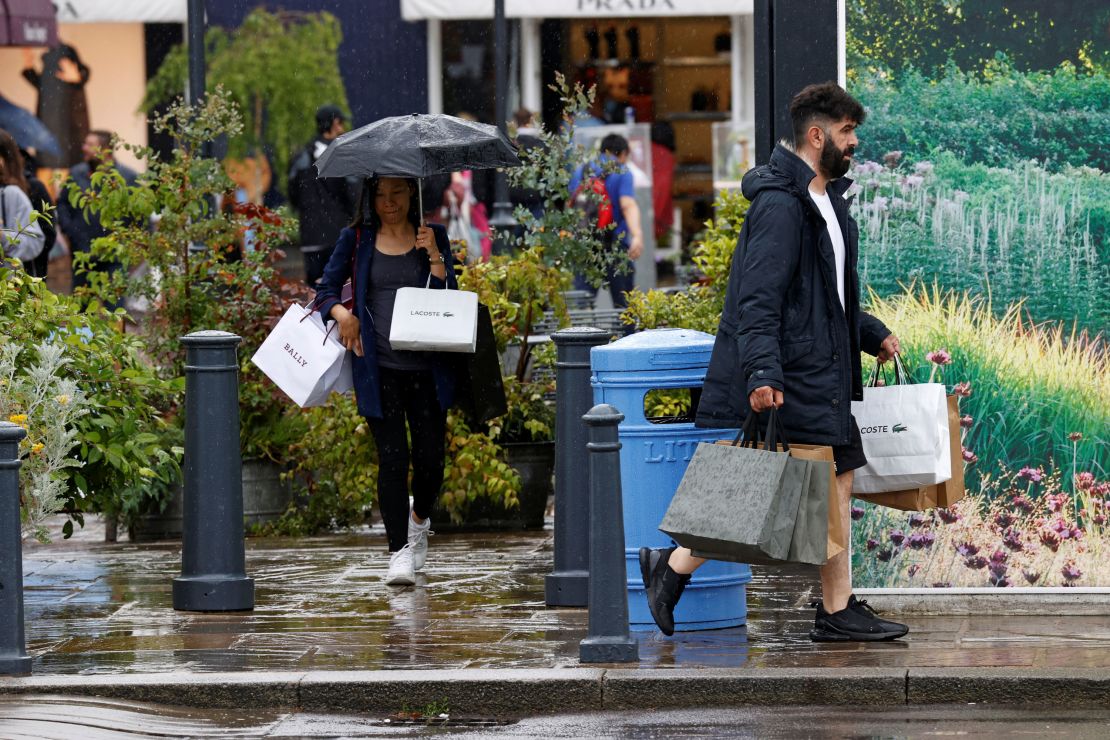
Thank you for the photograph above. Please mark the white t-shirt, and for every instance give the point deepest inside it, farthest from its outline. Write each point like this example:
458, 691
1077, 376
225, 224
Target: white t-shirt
837, 237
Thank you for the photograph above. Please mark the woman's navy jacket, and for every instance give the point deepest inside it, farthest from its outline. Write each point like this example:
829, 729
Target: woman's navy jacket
360, 242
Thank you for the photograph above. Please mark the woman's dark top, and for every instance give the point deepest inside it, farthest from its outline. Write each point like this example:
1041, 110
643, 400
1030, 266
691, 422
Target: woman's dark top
388, 273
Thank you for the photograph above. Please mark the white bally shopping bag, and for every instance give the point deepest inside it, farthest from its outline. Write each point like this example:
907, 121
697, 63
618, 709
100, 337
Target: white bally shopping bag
905, 436
303, 359
432, 320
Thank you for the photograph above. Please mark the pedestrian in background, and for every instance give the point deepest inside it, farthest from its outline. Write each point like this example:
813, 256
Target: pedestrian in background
81, 229
626, 237
324, 205
401, 393
42, 202
790, 338
21, 236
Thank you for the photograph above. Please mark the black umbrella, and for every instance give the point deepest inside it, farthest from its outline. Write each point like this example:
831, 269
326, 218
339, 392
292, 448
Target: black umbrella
29, 132
417, 145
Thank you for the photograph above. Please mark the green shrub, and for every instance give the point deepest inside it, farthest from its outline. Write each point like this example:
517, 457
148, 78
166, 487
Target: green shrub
999, 117
126, 451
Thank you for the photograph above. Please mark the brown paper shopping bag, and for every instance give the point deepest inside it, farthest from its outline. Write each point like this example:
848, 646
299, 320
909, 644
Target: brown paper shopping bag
915, 499
952, 490
818, 453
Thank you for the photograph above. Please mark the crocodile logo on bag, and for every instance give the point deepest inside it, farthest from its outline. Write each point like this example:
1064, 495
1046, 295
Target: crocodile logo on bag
898, 428
447, 314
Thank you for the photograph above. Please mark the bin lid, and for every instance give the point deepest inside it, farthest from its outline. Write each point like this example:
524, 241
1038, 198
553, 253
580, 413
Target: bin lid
655, 349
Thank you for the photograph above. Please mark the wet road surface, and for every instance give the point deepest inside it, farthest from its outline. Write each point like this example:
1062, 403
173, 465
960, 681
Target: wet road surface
47, 718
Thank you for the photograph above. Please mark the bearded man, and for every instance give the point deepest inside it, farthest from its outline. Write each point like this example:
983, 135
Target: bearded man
790, 338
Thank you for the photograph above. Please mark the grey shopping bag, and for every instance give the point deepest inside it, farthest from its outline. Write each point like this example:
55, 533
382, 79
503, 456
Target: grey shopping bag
738, 503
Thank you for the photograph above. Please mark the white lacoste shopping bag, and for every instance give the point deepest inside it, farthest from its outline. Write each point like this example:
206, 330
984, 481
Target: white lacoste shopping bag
303, 359
434, 320
905, 437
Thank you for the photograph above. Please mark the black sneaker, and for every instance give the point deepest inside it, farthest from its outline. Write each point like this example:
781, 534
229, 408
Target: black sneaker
864, 609
848, 625
662, 586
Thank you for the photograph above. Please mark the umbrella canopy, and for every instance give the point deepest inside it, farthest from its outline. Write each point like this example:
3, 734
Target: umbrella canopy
416, 145
27, 23
28, 131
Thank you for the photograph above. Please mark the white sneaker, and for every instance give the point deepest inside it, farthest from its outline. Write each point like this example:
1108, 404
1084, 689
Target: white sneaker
418, 541
401, 572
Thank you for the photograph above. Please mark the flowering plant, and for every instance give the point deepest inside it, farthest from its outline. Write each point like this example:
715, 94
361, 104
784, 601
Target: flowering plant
38, 397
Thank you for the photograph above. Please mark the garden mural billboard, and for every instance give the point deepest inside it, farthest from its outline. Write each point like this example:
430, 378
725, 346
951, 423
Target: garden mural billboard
983, 201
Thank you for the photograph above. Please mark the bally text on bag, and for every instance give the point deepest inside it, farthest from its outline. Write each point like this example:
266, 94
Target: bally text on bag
296, 355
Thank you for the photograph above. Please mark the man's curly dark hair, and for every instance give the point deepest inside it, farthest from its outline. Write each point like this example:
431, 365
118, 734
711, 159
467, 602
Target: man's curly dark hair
822, 103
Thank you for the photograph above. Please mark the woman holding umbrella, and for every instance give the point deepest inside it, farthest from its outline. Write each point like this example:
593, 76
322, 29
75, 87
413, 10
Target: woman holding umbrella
386, 248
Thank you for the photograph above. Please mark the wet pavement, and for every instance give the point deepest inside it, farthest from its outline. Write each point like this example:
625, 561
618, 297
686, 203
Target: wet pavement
96, 608
45, 718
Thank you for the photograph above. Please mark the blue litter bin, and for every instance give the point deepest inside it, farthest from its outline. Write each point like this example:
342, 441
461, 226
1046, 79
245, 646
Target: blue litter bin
654, 456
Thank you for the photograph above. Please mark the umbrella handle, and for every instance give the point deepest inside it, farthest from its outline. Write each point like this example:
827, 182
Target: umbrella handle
420, 197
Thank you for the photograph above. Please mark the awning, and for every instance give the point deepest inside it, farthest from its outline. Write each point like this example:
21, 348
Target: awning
122, 11
418, 10
27, 23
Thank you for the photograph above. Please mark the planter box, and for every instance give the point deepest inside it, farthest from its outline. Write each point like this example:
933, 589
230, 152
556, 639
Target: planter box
535, 463
265, 498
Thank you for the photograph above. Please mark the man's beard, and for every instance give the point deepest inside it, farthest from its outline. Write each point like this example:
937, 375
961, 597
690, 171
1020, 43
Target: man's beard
833, 162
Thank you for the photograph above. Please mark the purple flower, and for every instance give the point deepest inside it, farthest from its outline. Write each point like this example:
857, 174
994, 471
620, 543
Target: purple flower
923, 167
976, 563
999, 556
917, 520
897, 537
912, 570
1075, 436
1085, 481
939, 356
1031, 576
1033, 475
919, 540
1004, 519
942, 584
857, 513
1023, 502
966, 421
967, 549
1012, 540
891, 159
872, 544
948, 516
868, 168
1050, 539
1099, 519
970, 457
930, 538
1071, 571
998, 573
912, 181
885, 554
963, 390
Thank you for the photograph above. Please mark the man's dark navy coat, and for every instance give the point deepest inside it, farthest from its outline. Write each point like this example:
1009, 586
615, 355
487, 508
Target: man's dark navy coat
783, 325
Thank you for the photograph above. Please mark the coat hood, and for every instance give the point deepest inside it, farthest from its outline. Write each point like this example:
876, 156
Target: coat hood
788, 172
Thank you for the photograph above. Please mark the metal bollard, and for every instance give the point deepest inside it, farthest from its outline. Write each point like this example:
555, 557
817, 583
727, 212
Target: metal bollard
213, 554
13, 647
567, 584
608, 640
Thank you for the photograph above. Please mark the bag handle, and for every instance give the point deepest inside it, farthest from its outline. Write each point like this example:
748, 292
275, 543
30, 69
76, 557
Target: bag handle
901, 377
316, 307
749, 434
